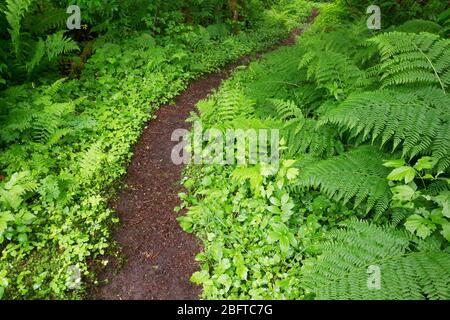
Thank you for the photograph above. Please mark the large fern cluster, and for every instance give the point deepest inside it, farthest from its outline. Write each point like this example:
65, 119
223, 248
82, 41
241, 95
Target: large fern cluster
351, 254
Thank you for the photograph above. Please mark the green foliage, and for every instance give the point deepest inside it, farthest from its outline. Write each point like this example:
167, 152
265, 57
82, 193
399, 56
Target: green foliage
63, 146
393, 11
229, 104
333, 71
29, 23
358, 174
414, 59
364, 126
417, 121
57, 45
52, 18
15, 10
341, 271
418, 26
269, 231
444, 21
310, 138
254, 244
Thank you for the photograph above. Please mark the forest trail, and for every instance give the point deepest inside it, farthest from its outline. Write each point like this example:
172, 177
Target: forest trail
159, 255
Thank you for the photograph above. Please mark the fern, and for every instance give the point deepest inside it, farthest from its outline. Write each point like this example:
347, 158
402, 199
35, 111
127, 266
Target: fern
319, 141
418, 121
341, 272
57, 44
357, 174
436, 187
304, 135
91, 161
38, 55
275, 77
288, 111
15, 11
50, 18
418, 26
53, 89
408, 58
225, 106
252, 174
46, 123
13, 192
334, 71
348, 40
398, 215
18, 120
44, 120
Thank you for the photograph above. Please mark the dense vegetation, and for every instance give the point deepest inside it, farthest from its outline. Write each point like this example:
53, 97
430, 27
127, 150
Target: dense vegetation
364, 175
364, 116
65, 142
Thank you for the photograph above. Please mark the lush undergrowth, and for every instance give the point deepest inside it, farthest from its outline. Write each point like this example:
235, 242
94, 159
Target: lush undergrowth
64, 145
362, 189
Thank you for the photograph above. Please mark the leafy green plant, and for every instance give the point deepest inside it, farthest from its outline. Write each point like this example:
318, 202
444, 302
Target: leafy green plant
427, 212
15, 11
63, 146
345, 122
357, 175
341, 271
414, 59
415, 121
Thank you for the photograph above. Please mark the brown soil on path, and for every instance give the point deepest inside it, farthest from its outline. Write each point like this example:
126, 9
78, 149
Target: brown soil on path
159, 256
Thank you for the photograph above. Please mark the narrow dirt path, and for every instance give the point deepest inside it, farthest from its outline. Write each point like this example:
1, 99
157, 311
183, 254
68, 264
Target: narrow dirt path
159, 255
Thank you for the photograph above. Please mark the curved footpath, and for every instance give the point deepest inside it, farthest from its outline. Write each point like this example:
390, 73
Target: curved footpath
158, 255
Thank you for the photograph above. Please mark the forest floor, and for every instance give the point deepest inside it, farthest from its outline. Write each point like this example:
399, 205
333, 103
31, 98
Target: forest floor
158, 254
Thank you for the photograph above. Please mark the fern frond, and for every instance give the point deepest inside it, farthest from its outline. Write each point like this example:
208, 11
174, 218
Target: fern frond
343, 269
252, 174
11, 194
53, 89
436, 187
38, 54
418, 121
57, 44
50, 18
18, 120
276, 76
91, 161
398, 215
57, 135
15, 11
47, 123
334, 71
308, 137
226, 105
408, 58
288, 110
357, 174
